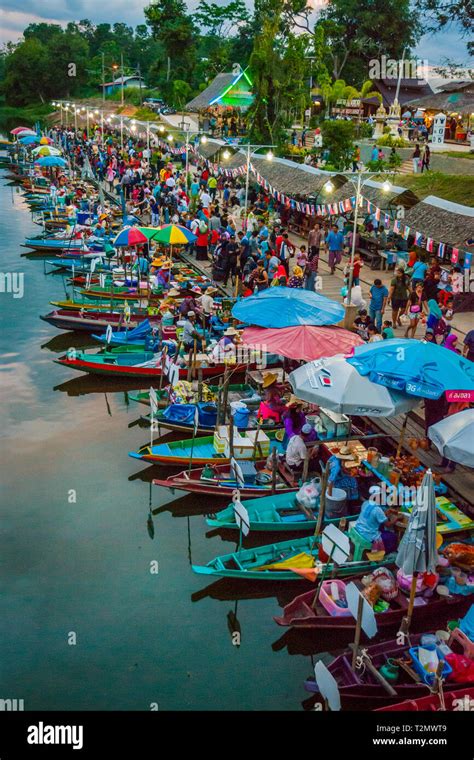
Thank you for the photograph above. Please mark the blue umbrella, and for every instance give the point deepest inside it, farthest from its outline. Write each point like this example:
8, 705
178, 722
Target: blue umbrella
51, 161
419, 369
287, 307
30, 139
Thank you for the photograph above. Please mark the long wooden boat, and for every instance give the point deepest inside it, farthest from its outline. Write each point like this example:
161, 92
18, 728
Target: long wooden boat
359, 690
235, 391
201, 452
79, 306
94, 321
300, 613
273, 513
60, 242
219, 480
453, 701
283, 561
136, 365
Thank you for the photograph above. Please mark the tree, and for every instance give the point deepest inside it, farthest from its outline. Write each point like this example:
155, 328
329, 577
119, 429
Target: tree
443, 13
221, 21
338, 139
181, 92
26, 72
173, 28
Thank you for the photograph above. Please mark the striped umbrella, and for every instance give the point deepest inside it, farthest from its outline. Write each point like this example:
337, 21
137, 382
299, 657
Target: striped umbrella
46, 150
149, 232
130, 236
174, 234
417, 550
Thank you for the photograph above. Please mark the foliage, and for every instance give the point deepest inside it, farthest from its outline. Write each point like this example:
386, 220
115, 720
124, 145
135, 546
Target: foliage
458, 188
442, 13
364, 130
389, 141
338, 139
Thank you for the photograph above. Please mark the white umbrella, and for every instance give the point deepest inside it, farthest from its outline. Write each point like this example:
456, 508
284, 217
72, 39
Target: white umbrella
334, 384
454, 437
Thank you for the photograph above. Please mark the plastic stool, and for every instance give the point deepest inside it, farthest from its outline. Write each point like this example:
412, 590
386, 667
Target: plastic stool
464, 641
360, 544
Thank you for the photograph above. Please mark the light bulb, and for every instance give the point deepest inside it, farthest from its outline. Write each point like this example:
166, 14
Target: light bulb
328, 187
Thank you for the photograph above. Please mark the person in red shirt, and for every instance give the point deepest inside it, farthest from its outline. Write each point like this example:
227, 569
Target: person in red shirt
358, 264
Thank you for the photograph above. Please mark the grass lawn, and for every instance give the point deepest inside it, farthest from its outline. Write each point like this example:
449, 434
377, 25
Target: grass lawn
456, 154
458, 188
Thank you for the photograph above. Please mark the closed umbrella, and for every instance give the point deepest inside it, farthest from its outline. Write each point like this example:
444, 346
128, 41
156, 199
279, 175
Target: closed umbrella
305, 342
333, 384
420, 369
287, 307
454, 437
417, 551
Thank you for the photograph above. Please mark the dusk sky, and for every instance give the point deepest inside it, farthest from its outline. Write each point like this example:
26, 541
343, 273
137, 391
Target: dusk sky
15, 16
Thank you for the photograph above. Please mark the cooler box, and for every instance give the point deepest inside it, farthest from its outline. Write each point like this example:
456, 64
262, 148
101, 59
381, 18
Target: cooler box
263, 441
249, 471
242, 447
336, 425
221, 437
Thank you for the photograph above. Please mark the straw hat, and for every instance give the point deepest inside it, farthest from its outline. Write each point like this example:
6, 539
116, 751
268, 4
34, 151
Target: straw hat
293, 401
165, 265
346, 454
231, 331
173, 292
191, 314
269, 379
211, 290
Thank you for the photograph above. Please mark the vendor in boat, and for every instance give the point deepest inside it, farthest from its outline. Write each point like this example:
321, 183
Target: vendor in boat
191, 335
340, 468
272, 406
374, 522
225, 349
206, 303
188, 304
297, 451
294, 418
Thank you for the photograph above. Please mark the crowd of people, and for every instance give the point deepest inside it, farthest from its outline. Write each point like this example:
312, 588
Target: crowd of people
253, 251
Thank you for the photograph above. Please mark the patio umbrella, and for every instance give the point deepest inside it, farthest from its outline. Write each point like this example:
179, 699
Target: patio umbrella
46, 140
454, 437
22, 130
419, 369
174, 234
417, 551
287, 307
149, 232
46, 150
303, 341
130, 236
332, 383
29, 139
51, 161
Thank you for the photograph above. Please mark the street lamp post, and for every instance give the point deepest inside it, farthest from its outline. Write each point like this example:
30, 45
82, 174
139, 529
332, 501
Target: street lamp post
360, 184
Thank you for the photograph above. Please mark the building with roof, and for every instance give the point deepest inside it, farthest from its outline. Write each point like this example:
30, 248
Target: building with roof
409, 90
132, 81
451, 97
228, 89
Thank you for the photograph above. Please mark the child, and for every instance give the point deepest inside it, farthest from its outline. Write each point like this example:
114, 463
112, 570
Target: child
374, 334
387, 330
302, 257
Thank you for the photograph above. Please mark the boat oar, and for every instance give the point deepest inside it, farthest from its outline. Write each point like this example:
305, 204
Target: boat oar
195, 427
368, 665
360, 610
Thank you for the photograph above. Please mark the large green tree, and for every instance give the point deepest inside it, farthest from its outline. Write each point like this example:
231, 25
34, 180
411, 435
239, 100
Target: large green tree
174, 29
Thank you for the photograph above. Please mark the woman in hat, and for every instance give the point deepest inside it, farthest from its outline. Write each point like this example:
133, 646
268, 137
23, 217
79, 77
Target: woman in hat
296, 280
206, 303
272, 406
340, 475
373, 518
294, 418
225, 348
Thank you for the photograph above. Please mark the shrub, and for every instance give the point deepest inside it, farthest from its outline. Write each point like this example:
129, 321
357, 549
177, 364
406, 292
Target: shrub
390, 141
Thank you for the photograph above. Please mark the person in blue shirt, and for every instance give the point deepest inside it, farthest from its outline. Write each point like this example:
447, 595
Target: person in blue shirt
335, 244
378, 302
373, 518
374, 156
419, 271
340, 476
262, 232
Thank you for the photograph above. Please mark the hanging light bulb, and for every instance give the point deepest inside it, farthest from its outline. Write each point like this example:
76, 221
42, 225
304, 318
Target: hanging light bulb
269, 155
328, 187
386, 187
203, 140
226, 155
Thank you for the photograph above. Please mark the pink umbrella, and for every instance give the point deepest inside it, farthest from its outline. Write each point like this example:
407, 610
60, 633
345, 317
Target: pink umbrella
305, 342
25, 130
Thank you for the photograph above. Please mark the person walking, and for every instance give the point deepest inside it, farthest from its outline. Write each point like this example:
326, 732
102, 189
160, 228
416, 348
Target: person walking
378, 302
425, 161
335, 244
416, 158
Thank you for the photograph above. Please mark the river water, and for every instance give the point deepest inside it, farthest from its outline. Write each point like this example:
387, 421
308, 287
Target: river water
84, 622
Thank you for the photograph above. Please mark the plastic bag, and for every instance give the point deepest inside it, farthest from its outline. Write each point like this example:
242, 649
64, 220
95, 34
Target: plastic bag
308, 495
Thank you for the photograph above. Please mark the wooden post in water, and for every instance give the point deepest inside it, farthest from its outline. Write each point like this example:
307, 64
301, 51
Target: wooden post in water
274, 468
360, 609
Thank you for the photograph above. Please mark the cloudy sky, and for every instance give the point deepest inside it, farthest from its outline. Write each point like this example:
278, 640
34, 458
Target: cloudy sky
16, 14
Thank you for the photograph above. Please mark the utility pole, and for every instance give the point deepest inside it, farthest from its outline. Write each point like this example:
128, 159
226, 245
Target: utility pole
140, 83
103, 77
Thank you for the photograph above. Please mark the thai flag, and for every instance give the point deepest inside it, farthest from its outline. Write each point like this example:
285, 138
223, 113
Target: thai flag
406, 233
386, 221
441, 249
377, 214
418, 238
429, 244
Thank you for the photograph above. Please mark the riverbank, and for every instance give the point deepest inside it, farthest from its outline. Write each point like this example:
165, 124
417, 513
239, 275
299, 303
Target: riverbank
12, 116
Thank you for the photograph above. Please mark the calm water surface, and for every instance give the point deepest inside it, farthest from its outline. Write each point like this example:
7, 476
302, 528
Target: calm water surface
84, 567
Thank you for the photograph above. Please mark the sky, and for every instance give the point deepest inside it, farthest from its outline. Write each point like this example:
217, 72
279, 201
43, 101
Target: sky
15, 15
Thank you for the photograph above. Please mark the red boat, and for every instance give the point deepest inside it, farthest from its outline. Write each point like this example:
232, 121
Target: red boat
218, 480
300, 614
454, 701
360, 690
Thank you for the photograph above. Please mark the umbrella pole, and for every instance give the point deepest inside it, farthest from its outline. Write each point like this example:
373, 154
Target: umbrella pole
402, 435
411, 603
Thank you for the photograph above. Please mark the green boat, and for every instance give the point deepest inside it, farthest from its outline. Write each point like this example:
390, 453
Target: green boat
284, 561
202, 451
276, 512
237, 390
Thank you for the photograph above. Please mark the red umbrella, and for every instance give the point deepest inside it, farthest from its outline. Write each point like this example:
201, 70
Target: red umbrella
305, 342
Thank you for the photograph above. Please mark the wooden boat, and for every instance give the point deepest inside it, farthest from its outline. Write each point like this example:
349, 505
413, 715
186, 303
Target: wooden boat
202, 452
300, 613
361, 691
144, 365
276, 512
60, 242
283, 561
219, 480
453, 701
235, 391
94, 321
79, 306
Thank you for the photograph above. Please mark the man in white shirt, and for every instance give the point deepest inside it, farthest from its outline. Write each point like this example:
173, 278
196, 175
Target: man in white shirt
205, 199
296, 451
170, 182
